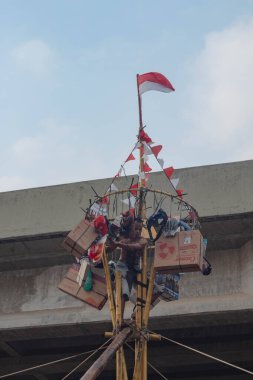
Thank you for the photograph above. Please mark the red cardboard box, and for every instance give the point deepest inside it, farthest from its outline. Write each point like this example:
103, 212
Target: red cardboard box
80, 238
182, 253
166, 252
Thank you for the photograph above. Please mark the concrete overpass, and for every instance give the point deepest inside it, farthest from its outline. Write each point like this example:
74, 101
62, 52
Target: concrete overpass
40, 324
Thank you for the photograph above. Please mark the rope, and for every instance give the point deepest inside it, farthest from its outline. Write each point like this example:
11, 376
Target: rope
207, 355
46, 364
150, 365
85, 360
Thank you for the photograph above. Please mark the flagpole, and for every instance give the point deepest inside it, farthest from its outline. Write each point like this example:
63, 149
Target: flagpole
140, 368
141, 165
139, 103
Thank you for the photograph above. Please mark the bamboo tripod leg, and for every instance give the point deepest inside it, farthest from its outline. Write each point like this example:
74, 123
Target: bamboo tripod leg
144, 297
109, 288
119, 353
149, 296
140, 372
112, 306
138, 346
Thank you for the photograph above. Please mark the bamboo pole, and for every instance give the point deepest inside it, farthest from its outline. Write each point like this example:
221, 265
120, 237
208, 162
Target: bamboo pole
109, 287
149, 295
100, 364
119, 353
143, 342
112, 305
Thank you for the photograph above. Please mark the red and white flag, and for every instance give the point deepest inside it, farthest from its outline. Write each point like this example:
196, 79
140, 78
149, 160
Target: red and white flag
153, 81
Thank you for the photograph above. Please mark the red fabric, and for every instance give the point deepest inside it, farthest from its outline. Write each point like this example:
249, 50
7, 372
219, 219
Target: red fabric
180, 193
101, 225
146, 168
130, 157
132, 189
143, 136
156, 78
104, 200
95, 252
169, 171
156, 149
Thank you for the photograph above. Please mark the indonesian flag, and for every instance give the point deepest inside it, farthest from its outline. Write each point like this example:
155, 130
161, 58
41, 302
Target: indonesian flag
153, 81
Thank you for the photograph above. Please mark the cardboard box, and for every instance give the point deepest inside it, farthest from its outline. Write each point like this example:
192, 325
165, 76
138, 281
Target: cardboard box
80, 238
68, 286
97, 297
182, 253
73, 272
99, 281
191, 250
166, 253
92, 298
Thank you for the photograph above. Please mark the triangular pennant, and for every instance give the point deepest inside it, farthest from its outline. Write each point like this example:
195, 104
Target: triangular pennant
180, 193
161, 162
174, 182
112, 187
146, 168
147, 149
119, 173
156, 149
130, 201
143, 136
130, 157
169, 171
132, 189
145, 158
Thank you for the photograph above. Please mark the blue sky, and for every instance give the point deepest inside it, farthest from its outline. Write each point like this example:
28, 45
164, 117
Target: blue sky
68, 100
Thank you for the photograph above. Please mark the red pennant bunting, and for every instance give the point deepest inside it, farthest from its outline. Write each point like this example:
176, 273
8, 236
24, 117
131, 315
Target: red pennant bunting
146, 168
143, 136
132, 191
169, 171
180, 193
130, 157
156, 149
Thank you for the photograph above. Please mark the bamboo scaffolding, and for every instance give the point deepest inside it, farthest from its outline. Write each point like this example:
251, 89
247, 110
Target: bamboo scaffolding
143, 298
113, 310
109, 288
100, 364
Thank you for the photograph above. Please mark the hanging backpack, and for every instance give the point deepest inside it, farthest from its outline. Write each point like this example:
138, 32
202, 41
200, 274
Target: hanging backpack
158, 222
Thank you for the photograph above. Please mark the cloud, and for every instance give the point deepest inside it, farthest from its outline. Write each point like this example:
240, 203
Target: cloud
35, 56
220, 108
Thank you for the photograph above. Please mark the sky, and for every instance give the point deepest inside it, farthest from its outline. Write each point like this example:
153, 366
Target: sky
68, 96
